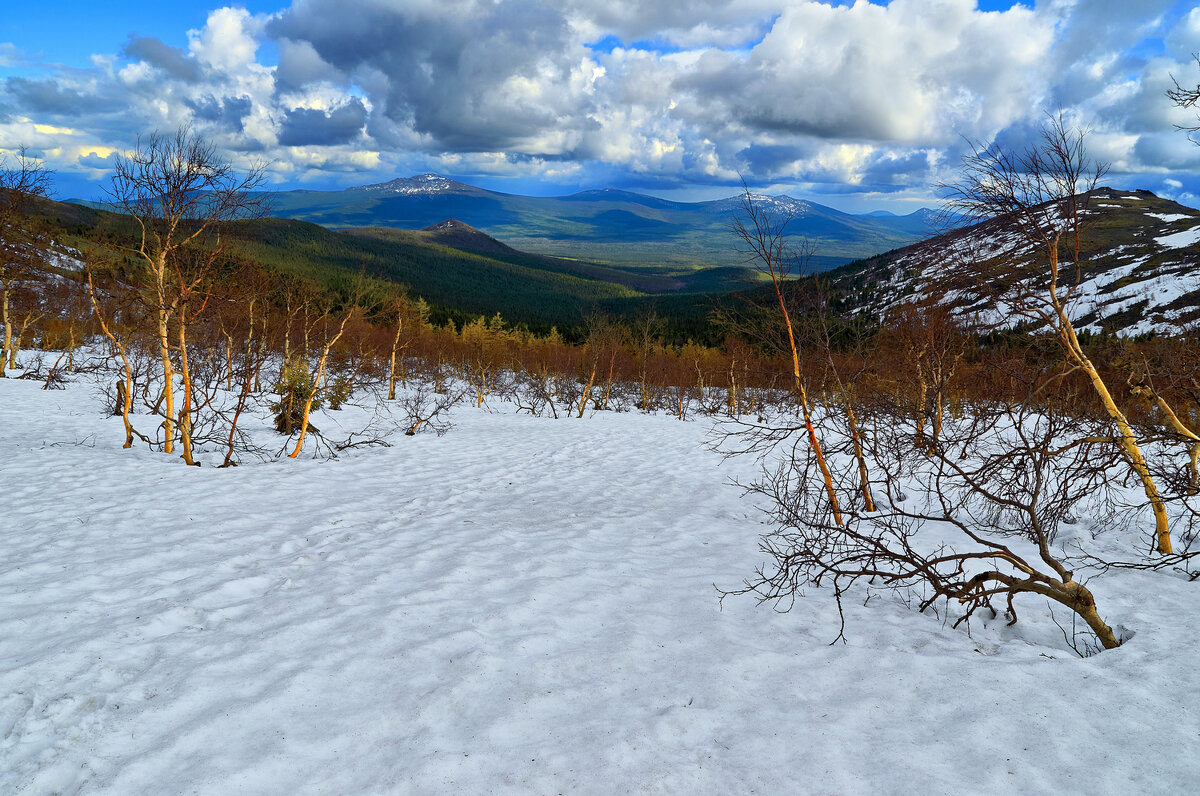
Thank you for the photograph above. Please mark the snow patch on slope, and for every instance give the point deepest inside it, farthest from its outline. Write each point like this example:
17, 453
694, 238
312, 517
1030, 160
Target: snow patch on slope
1179, 240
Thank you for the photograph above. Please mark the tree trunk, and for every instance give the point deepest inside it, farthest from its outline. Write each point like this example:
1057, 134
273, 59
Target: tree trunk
863, 475
732, 401
4, 315
1085, 605
392, 378
612, 361
250, 376
185, 412
125, 386
71, 346
164, 353
587, 392
228, 360
815, 444
168, 395
803, 396
316, 384
1126, 440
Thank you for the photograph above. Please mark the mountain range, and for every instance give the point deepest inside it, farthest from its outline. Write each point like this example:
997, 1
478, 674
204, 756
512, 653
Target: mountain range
611, 226
1141, 254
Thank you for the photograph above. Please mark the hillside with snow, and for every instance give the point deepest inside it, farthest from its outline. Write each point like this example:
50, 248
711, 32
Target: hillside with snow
523, 605
1141, 268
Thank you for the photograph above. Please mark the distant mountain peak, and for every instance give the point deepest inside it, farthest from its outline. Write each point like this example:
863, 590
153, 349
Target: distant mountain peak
448, 225
784, 202
459, 235
780, 204
421, 183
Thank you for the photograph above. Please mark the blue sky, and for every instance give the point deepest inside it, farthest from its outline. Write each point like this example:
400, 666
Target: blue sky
854, 104
82, 27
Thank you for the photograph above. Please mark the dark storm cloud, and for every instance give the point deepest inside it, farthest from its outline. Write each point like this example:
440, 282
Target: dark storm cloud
227, 113
897, 169
450, 73
765, 158
171, 60
1168, 148
308, 127
299, 64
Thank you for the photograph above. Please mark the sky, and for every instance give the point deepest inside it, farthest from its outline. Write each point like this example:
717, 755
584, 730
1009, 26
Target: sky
859, 105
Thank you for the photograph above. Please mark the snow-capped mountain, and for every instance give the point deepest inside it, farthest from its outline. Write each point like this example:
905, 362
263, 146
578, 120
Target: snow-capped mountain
409, 186
1139, 272
782, 205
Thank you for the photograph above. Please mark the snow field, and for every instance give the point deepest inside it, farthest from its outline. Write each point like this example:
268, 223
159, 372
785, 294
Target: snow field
524, 605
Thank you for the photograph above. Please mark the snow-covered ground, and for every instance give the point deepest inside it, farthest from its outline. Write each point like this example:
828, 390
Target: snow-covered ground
524, 605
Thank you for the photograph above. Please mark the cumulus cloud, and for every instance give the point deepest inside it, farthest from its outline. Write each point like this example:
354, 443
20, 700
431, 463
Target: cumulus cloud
227, 113
171, 60
227, 42
312, 127
471, 76
51, 97
875, 97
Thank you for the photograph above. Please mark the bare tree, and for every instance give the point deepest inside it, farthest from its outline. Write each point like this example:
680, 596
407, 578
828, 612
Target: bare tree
969, 522
1185, 97
314, 378
763, 235
118, 340
1041, 192
180, 192
932, 346
23, 179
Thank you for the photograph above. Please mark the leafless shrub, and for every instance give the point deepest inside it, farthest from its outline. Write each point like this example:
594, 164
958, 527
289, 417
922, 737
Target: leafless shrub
969, 521
427, 409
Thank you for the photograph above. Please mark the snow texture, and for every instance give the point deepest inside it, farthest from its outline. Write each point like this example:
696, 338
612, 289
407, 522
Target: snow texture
1179, 240
524, 605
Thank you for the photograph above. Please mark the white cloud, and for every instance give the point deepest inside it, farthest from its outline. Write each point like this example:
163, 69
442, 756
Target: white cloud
10, 55
226, 43
790, 91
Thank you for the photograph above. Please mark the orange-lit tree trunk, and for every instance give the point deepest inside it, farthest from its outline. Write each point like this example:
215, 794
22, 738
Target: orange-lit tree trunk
125, 394
393, 374
316, 382
185, 374
765, 240
1041, 189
